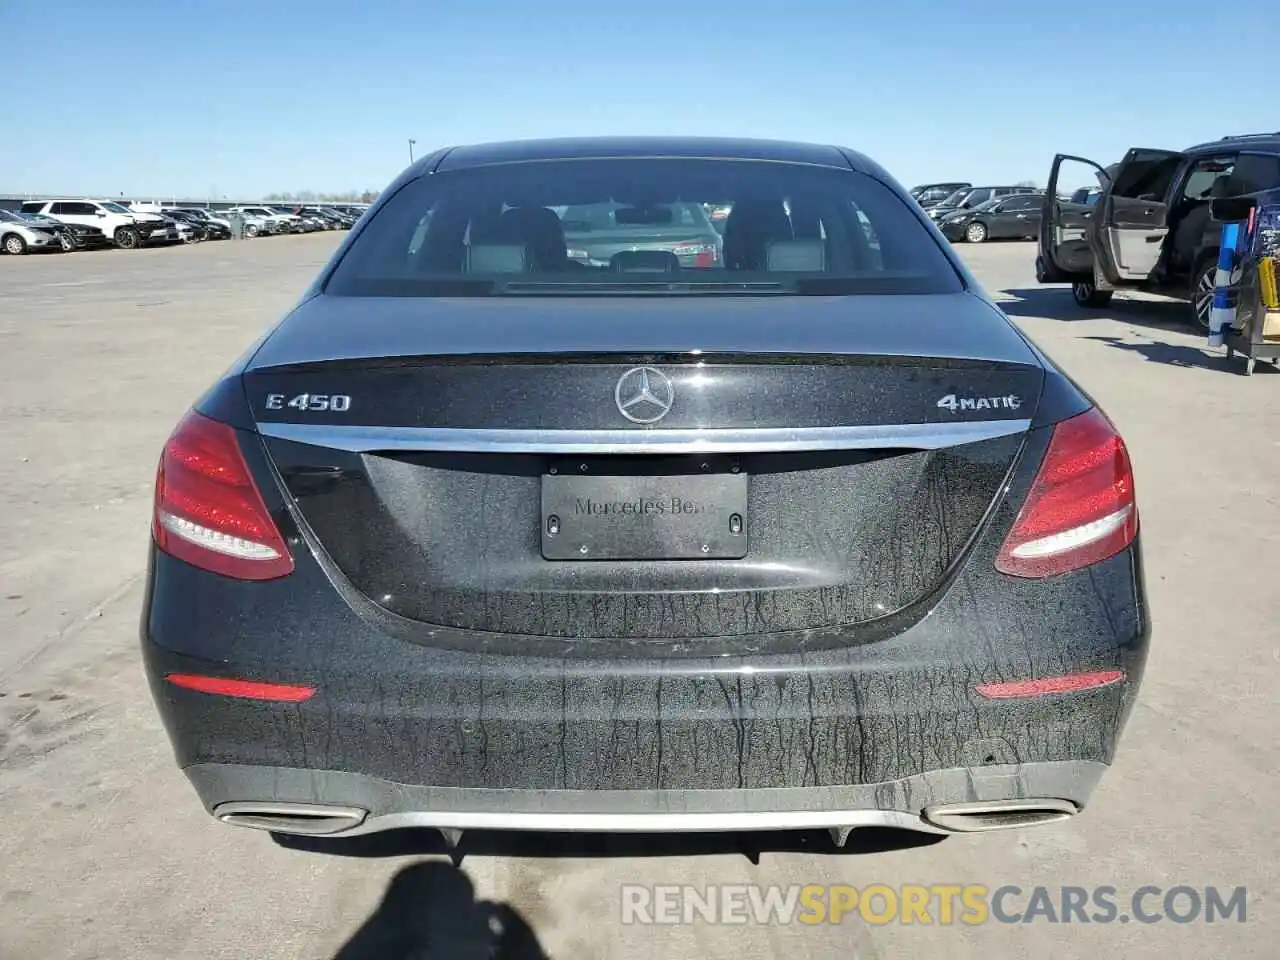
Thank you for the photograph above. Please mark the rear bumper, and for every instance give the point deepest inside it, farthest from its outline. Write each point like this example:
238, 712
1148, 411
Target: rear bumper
365, 804
876, 733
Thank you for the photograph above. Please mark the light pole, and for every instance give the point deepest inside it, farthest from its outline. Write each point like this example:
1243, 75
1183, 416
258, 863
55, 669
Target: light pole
411, 143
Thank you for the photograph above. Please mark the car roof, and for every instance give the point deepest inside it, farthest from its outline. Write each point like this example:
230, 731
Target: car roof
574, 148
1250, 141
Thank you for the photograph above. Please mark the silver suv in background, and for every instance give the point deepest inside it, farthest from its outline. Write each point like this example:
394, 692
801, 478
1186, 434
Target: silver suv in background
19, 235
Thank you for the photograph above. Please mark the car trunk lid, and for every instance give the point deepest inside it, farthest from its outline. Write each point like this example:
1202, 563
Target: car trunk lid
807, 463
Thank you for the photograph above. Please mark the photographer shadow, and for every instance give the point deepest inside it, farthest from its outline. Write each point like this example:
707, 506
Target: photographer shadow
430, 912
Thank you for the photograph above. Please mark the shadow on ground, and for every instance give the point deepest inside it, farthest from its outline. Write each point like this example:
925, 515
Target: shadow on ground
508, 843
1169, 316
430, 913
1056, 303
1176, 355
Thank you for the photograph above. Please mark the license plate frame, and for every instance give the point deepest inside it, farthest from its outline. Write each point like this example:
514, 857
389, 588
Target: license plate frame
645, 517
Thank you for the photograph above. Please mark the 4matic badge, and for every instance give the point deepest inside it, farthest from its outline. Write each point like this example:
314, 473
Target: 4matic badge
954, 404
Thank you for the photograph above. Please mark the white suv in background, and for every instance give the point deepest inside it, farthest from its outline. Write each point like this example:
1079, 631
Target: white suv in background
125, 228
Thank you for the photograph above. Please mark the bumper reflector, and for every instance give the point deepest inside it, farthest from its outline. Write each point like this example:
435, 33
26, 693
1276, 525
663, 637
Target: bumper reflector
1070, 683
246, 689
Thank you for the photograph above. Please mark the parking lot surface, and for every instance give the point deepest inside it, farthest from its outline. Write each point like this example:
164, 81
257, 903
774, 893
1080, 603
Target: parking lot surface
105, 852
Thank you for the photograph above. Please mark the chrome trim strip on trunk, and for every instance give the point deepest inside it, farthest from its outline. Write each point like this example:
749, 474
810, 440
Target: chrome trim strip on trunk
912, 436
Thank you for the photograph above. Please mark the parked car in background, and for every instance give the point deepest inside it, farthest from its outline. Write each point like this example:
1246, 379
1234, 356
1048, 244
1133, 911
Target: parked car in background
312, 220
970, 197
1004, 218
73, 236
331, 218
219, 220
187, 232
292, 222
149, 213
218, 228
178, 216
931, 194
19, 235
207, 229
257, 226
1085, 196
595, 233
211, 218
267, 221
1150, 227
251, 225
341, 221
125, 228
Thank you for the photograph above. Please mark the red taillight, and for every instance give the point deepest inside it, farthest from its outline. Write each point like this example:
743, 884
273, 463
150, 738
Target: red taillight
1070, 683
208, 511
244, 689
1081, 507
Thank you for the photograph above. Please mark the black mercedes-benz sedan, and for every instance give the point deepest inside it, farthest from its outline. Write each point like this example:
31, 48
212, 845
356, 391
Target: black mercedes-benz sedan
805, 535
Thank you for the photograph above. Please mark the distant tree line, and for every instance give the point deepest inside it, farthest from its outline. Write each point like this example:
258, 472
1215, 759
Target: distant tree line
310, 196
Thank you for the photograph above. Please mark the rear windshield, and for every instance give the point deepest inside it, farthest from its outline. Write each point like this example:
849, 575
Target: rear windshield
617, 227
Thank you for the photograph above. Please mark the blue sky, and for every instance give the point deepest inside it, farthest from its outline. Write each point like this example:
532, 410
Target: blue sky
284, 95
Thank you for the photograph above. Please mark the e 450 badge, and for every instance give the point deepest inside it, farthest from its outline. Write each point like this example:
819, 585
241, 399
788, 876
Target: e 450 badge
315, 402
955, 404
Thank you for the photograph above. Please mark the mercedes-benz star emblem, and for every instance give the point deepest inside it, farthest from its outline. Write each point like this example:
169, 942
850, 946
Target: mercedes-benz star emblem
644, 395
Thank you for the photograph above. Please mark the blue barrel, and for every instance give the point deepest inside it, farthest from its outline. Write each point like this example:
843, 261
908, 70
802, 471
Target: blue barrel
1223, 313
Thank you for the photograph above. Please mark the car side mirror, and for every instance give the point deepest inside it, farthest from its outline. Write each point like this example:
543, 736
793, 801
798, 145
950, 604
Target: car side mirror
100, 213
1231, 209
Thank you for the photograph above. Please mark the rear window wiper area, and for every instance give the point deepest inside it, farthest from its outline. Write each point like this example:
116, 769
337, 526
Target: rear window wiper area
476, 287
570, 288
394, 287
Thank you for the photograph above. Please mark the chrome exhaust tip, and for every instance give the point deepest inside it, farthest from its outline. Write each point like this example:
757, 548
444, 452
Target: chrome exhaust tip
984, 815
307, 819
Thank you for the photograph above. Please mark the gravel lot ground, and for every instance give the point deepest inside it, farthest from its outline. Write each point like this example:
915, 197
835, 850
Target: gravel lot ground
105, 852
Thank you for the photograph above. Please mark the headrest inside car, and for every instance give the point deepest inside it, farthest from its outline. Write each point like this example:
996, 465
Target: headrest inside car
497, 258
797, 256
645, 261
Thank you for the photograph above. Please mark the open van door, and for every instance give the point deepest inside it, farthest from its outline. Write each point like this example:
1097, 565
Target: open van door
1134, 215
1068, 247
